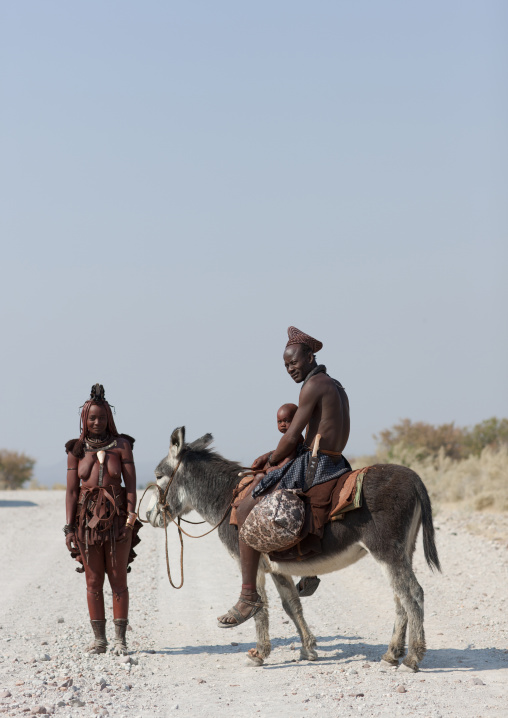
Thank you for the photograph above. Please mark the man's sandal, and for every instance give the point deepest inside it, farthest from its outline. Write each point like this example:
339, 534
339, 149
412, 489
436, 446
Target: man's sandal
239, 617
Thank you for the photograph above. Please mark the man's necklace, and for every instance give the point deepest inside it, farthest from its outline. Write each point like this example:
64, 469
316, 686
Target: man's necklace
317, 370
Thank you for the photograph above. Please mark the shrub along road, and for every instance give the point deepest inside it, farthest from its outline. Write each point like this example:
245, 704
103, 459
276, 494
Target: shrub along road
180, 659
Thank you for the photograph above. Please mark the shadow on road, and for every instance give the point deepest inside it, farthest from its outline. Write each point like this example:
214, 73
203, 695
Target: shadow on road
467, 659
442, 659
15, 503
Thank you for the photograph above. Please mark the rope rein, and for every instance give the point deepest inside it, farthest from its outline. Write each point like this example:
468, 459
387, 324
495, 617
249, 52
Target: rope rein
163, 494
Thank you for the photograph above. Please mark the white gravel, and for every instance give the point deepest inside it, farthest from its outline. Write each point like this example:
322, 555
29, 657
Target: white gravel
181, 662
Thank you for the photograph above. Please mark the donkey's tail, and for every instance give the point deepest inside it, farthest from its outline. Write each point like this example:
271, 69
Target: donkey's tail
429, 545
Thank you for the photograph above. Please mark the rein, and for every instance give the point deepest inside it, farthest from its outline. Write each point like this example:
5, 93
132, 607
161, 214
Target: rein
163, 494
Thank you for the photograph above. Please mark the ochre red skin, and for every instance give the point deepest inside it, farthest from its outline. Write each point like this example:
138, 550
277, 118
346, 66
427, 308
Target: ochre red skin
322, 409
87, 475
285, 416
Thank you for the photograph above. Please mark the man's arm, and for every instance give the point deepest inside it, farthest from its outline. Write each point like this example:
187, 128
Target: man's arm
309, 397
260, 461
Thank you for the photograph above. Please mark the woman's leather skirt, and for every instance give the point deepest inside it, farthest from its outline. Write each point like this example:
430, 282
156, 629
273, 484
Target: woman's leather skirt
100, 515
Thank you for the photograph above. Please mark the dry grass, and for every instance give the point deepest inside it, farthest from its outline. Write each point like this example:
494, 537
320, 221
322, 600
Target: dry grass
478, 482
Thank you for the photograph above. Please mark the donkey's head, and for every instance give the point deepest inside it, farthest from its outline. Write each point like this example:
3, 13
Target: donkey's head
174, 470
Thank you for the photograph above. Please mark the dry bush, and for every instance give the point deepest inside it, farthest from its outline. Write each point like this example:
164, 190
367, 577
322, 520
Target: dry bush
491, 432
35, 486
424, 440
466, 467
15, 469
477, 482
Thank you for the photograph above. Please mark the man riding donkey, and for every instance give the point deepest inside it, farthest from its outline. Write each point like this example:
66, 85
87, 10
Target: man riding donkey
323, 409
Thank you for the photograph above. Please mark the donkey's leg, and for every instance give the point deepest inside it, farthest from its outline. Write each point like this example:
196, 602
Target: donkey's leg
292, 605
410, 593
263, 646
398, 642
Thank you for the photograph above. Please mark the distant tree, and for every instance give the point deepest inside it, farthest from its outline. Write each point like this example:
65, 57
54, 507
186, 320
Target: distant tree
15, 469
423, 439
491, 432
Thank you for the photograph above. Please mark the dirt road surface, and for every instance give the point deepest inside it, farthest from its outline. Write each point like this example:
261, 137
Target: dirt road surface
183, 665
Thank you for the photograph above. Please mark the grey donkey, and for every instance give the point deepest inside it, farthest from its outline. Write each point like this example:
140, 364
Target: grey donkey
395, 505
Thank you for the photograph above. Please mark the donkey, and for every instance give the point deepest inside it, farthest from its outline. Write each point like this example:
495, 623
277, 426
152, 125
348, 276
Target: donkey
395, 504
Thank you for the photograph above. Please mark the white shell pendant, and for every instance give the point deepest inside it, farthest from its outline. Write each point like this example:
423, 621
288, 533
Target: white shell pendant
101, 455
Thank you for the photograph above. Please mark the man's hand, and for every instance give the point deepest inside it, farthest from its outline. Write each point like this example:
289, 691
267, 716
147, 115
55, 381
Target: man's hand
70, 541
260, 461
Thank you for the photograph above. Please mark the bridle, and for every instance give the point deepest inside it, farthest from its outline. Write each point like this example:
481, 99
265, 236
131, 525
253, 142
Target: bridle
162, 502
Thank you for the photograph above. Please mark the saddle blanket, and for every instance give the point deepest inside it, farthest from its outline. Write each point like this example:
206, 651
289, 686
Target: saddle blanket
294, 474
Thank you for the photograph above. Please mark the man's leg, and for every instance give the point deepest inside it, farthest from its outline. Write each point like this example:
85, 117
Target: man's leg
249, 560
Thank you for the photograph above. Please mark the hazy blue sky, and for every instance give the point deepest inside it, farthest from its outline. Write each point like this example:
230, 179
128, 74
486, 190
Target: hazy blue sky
182, 181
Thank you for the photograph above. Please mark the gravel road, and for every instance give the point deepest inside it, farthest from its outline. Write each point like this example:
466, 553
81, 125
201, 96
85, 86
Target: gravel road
182, 664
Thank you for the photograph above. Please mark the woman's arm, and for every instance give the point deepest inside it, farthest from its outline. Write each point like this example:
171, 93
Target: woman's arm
71, 498
129, 476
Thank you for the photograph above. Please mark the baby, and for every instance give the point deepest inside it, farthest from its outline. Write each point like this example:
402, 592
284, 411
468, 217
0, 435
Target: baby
285, 415
243, 502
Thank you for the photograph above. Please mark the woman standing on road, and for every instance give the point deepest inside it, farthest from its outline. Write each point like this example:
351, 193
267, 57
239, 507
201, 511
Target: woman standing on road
102, 525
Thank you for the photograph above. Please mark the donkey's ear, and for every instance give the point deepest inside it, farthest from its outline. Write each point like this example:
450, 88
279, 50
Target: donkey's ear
176, 442
201, 443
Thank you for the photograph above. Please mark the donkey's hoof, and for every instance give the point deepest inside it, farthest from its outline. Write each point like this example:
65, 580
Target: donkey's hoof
308, 654
410, 667
254, 658
389, 661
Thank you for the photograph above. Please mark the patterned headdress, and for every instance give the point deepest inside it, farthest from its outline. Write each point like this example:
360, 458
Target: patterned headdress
298, 337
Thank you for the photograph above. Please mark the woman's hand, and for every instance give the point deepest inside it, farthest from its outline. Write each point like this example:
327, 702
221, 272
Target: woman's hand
125, 533
70, 541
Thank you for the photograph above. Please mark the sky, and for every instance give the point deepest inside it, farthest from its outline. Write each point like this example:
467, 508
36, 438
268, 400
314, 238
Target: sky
180, 182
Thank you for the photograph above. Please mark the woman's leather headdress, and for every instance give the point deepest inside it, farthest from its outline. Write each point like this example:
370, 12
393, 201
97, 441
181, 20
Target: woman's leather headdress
97, 394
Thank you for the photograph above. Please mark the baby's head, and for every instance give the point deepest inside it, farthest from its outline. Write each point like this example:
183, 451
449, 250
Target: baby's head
285, 416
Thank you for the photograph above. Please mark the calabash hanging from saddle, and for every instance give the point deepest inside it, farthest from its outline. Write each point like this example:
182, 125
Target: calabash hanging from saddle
275, 523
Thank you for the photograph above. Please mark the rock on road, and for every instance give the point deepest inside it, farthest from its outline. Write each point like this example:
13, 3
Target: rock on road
182, 664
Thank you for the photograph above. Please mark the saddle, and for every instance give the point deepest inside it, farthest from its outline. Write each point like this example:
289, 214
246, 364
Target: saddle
324, 503
275, 523
283, 519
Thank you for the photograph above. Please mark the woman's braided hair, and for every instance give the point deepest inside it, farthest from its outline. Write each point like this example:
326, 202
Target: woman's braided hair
97, 397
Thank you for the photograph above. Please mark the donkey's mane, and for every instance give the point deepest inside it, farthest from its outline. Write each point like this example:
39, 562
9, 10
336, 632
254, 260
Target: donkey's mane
215, 463
200, 451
